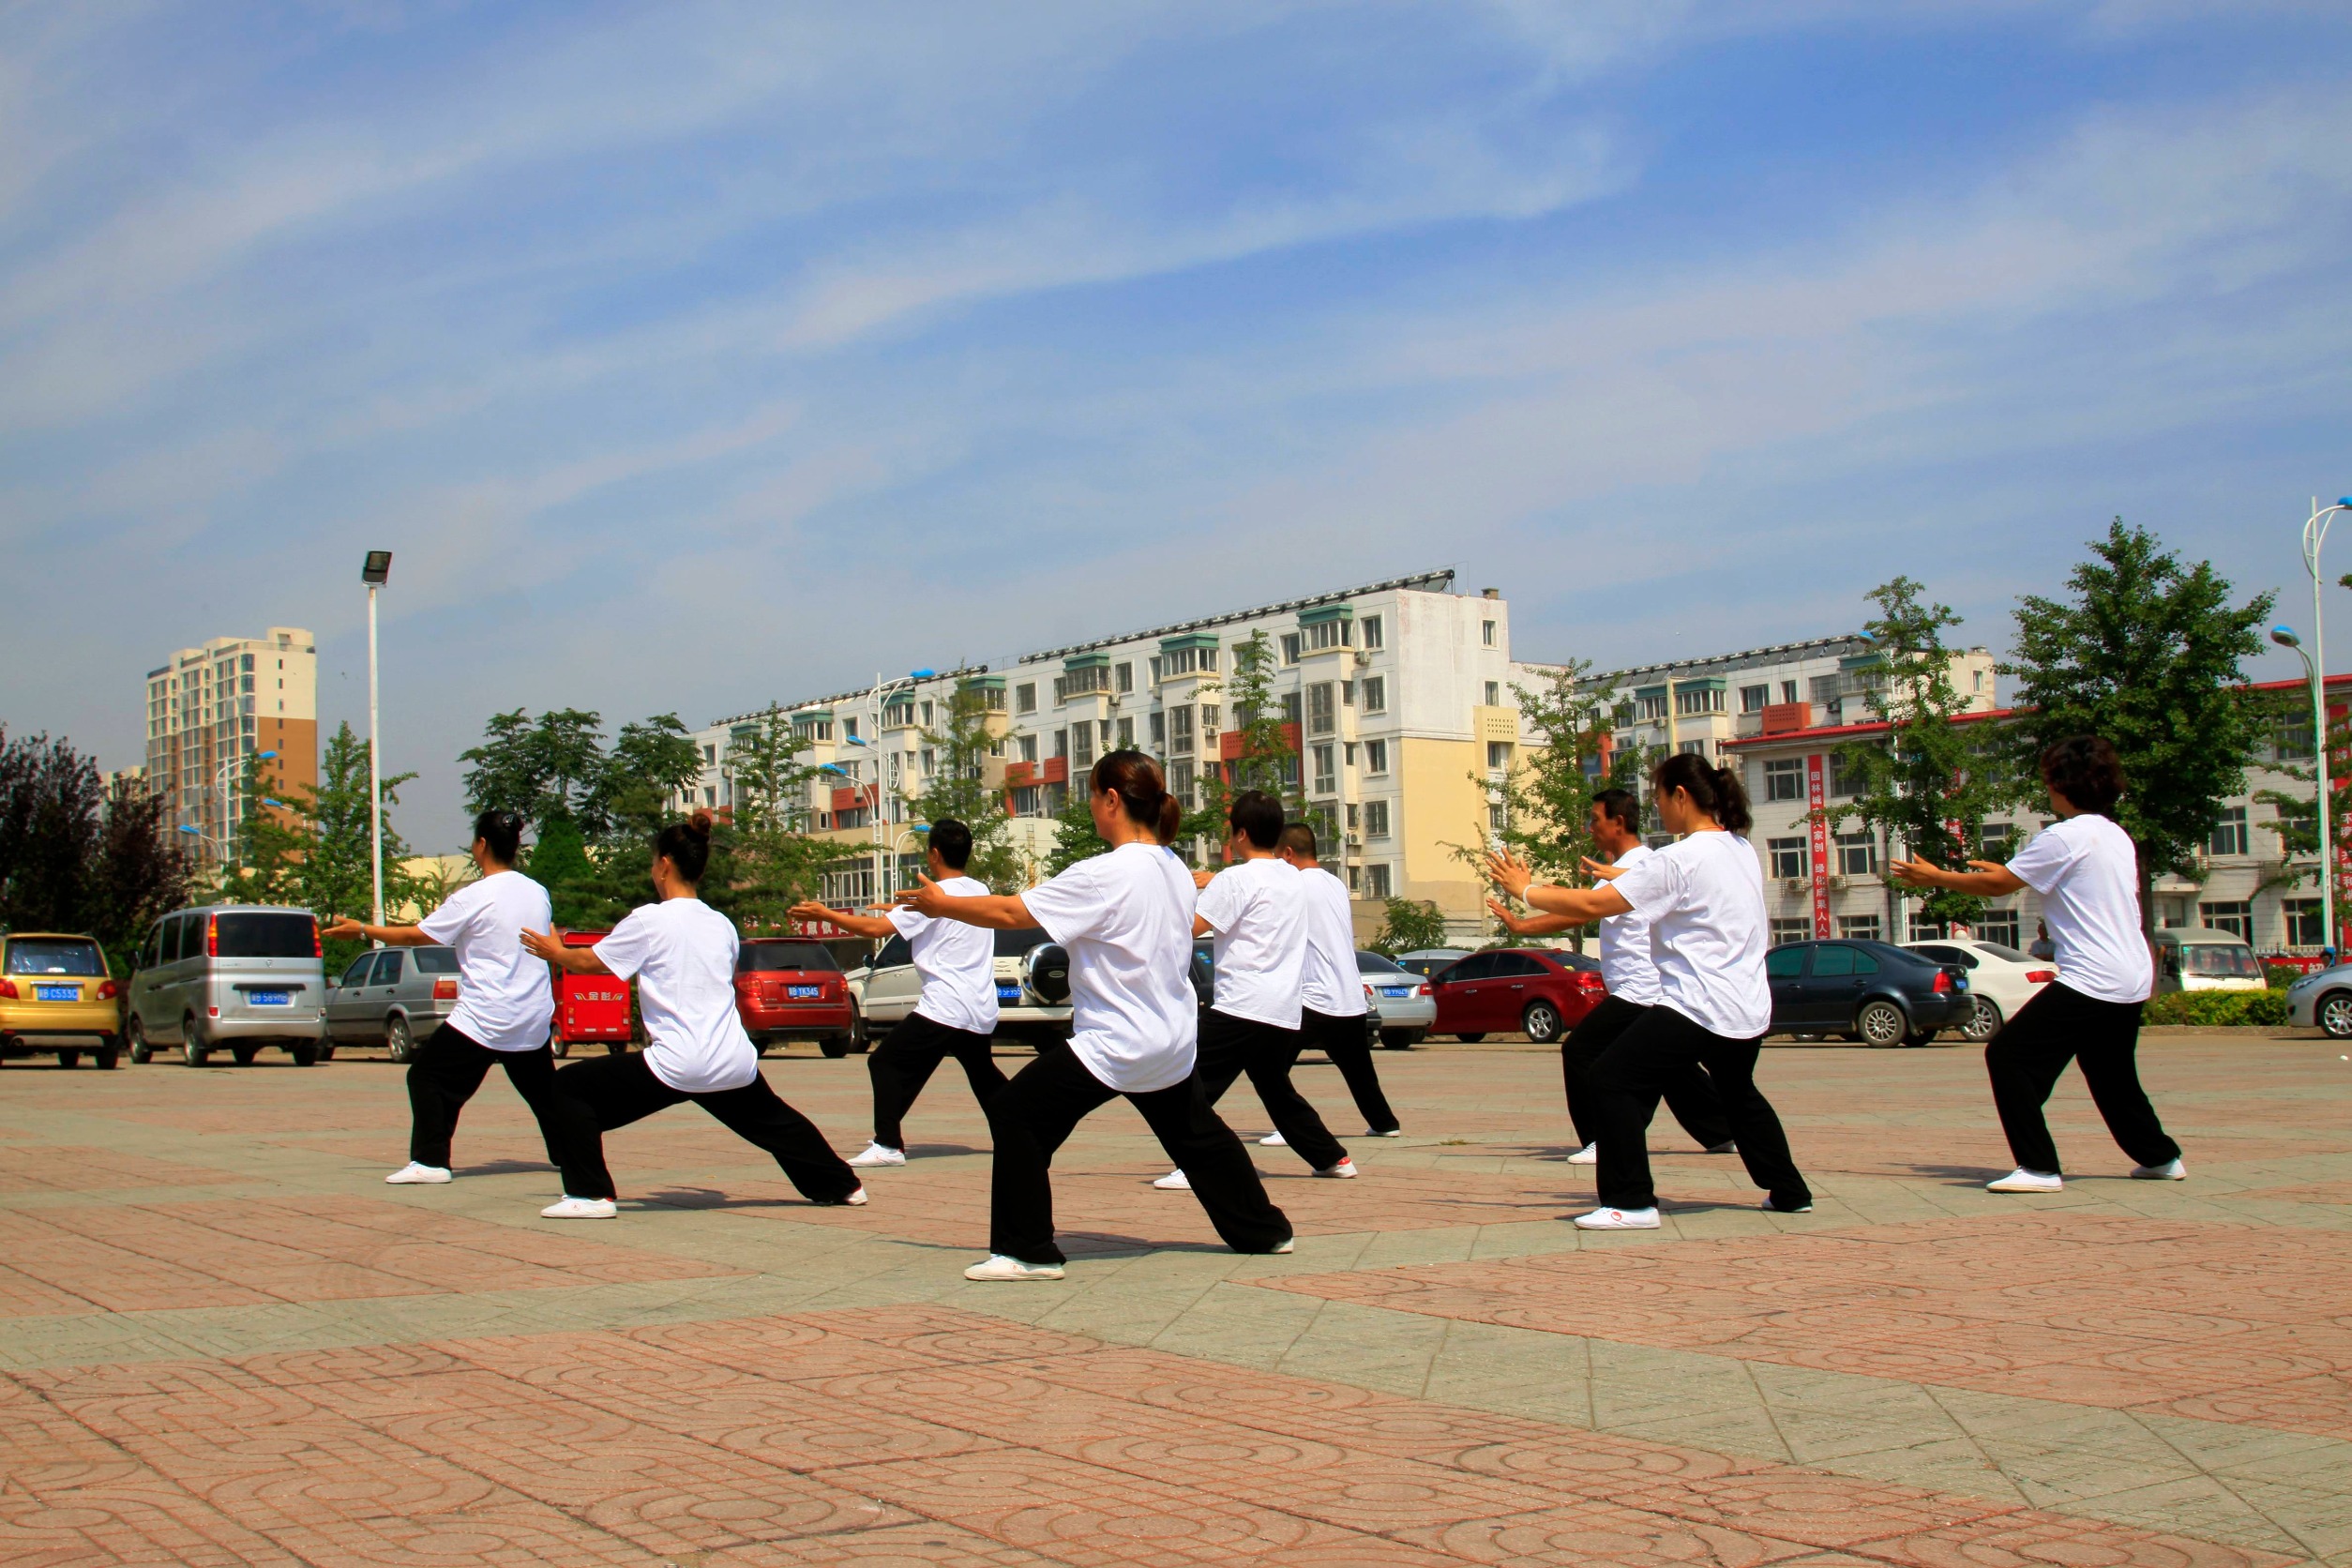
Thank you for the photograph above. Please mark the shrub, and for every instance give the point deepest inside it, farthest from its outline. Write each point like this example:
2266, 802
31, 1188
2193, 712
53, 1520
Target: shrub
2279, 977
2218, 1009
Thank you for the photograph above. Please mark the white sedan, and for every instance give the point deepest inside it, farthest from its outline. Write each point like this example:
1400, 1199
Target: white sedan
2000, 978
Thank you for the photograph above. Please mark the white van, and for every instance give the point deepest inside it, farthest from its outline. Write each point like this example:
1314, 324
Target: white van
228, 977
2200, 959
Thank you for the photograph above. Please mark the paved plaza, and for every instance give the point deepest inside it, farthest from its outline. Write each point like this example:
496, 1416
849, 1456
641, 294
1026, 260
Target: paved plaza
226, 1341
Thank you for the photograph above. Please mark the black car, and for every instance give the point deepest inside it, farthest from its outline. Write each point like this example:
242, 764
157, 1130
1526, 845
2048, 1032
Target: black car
1871, 991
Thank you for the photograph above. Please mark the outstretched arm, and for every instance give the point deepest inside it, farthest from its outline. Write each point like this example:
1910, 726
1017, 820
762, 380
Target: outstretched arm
856, 924
572, 960
1985, 878
1580, 904
347, 929
1530, 925
994, 911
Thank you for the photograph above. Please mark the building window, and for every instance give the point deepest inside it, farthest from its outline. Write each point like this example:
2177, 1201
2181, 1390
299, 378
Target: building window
1322, 714
1858, 854
1498, 756
1691, 748
1291, 647
1326, 779
2235, 916
1180, 732
1998, 925
1375, 819
930, 764
1486, 633
1653, 704
1376, 882
1997, 840
1691, 701
1024, 697
1208, 724
1788, 857
2229, 834
1376, 757
1372, 632
1926, 928
1159, 731
1180, 783
1499, 816
2290, 738
2303, 923
1846, 779
1122, 677
1290, 707
1755, 699
1062, 743
1082, 748
1376, 694
1327, 634
1786, 932
1127, 734
1788, 692
1858, 928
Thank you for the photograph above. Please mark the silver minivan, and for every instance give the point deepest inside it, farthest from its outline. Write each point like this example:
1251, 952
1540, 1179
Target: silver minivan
393, 997
228, 977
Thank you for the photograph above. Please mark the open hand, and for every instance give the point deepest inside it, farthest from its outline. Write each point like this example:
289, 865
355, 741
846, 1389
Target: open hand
809, 909
1918, 873
1601, 870
930, 899
343, 928
1202, 879
543, 944
1502, 912
1510, 873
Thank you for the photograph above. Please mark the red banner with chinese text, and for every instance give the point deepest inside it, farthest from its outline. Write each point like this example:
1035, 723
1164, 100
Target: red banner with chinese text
1817, 795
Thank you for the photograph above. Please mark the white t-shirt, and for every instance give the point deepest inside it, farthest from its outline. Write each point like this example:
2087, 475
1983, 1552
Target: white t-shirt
1330, 981
682, 954
2087, 874
956, 962
504, 996
1258, 910
1125, 918
1626, 966
1704, 898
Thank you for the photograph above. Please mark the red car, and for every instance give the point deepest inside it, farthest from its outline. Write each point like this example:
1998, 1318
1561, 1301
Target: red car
1533, 991
590, 1009
794, 989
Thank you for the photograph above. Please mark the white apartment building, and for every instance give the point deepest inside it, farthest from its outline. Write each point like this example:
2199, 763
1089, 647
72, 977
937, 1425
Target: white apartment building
209, 709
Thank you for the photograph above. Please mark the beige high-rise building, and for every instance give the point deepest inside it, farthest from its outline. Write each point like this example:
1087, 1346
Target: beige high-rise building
211, 708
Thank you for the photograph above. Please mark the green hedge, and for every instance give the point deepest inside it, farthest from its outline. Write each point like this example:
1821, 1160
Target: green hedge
2214, 1008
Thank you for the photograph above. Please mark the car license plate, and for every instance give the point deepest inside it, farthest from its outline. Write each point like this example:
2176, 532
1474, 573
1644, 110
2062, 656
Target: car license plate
269, 999
1008, 993
58, 993
802, 994
1394, 990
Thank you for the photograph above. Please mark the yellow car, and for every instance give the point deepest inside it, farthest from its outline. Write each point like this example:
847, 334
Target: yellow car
56, 995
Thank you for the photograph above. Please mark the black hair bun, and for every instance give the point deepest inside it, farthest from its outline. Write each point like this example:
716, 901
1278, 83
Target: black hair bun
700, 822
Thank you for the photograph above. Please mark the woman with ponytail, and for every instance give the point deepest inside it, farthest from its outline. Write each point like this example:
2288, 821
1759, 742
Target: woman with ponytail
1125, 918
682, 954
1704, 898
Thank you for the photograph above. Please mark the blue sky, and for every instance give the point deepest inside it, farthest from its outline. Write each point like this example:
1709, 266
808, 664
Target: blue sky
691, 355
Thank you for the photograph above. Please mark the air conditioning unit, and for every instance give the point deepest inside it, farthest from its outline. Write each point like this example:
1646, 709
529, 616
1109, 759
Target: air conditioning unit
1356, 840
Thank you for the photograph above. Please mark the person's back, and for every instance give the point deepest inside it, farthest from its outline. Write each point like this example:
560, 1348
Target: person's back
1329, 982
1258, 911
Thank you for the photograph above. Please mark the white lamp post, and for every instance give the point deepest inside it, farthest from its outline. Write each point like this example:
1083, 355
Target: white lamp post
2315, 535
375, 571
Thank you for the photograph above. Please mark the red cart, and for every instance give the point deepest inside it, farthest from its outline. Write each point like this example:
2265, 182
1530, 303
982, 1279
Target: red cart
590, 1009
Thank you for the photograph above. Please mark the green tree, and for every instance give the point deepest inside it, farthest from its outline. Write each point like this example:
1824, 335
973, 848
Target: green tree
558, 861
961, 747
1548, 795
1074, 835
73, 858
2148, 653
771, 862
313, 850
634, 783
1264, 756
540, 770
1409, 926
1930, 785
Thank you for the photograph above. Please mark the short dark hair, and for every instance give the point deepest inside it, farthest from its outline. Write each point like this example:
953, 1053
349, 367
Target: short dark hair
2087, 772
952, 840
1622, 807
687, 845
501, 832
1299, 838
1257, 816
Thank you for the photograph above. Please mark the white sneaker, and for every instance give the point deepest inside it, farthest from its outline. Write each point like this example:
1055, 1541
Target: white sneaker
1344, 1170
1589, 1155
1175, 1180
1393, 1132
1285, 1246
2171, 1170
1001, 1269
1272, 1141
2021, 1180
1771, 1208
413, 1174
856, 1200
579, 1208
1729, 1146
878, 1153
1619, 1219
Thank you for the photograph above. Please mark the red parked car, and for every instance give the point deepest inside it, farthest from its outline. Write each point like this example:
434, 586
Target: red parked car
794, 989
1532, 991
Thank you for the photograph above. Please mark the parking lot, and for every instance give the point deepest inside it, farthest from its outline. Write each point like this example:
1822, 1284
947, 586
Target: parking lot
226, 1341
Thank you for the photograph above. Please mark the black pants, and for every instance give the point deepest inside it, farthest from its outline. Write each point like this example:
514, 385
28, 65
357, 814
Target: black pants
908, 1057
1689, 1093
594, 1096
1343, 1039
2025, 1058
447, 1070
1032, 1115
1632, 1071
1230, 1047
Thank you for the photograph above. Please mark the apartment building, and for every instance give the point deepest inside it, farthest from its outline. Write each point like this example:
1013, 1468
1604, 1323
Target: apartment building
211, 708
1821, 883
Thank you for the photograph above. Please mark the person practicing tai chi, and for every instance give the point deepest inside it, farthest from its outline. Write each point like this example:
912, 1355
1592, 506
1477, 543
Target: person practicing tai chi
504, 999
1125, 918
1632, 978
955, 1015
1332, 987
2086, 869
682, 954
1704, 898
1256, 910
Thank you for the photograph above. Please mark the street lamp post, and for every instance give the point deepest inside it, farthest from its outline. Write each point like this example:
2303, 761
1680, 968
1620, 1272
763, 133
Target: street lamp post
375, 571
226, 801
2315, 535
874, 699
2284, 637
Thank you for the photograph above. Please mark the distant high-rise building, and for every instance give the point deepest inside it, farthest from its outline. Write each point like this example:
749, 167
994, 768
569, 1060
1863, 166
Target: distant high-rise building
211, 708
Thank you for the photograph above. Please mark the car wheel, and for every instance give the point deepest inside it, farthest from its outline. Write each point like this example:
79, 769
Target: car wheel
140, 1051
245, 1054
398, 1040
327, 1050
2335, 1015
1471, 1039
1542, 1022
192, 1048
1984, 1023
1880, 1024
1920, 1037
304, 1056
68, 1059
106, 1056
1399, 1039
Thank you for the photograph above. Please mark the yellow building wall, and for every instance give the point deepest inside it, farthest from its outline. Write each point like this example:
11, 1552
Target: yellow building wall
1441, 807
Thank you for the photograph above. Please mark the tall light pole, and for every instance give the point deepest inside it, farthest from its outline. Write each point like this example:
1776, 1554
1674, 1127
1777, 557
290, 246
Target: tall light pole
882, 689
375, 571
2315, 535
227, 802
2284, 637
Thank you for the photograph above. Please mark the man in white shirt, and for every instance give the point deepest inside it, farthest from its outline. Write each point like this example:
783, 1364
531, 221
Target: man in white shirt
957, 1014
1256, 909
1337, 1016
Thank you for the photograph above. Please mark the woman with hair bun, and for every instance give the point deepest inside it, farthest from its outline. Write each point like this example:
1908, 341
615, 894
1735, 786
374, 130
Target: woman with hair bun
1126, 919
2086, 870
682, 954
1704, 898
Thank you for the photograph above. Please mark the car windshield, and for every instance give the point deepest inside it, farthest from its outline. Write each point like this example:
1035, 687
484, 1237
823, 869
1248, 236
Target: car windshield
1375, 963
764, 957
251, 934
38, 955
1016, 944
2220, 960
436, 960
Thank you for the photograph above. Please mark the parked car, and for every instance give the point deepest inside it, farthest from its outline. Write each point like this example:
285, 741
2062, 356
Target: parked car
2001, 979
1426, 961
1871, 991
1403, 1002
2322, 1000
57, 994
792, 988
393, 997
2200, 959
1535, 990
241, 976
1033, 989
